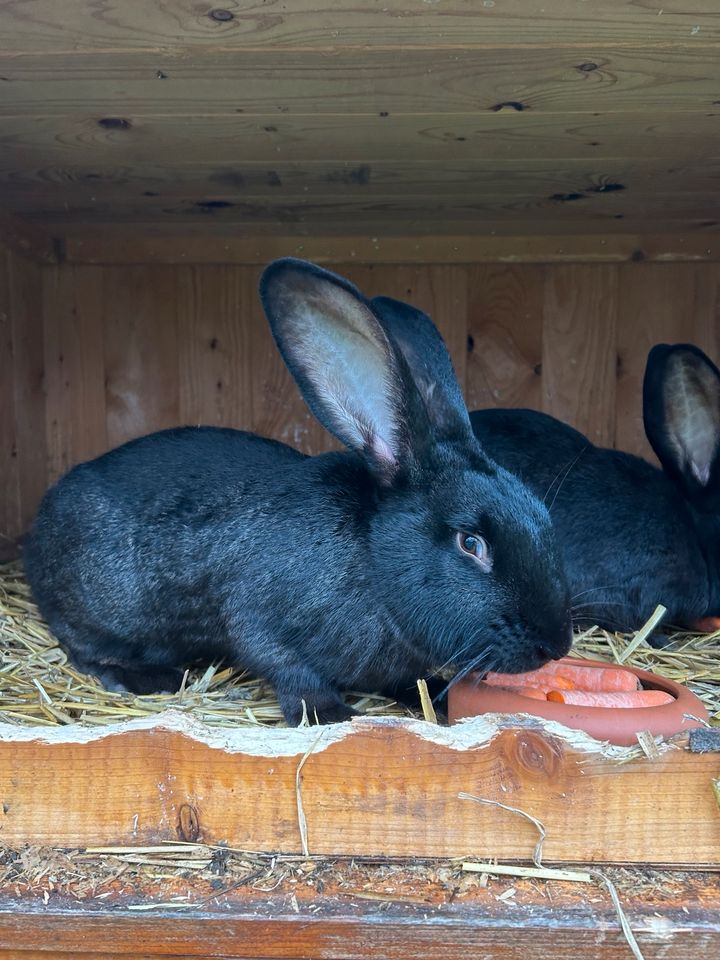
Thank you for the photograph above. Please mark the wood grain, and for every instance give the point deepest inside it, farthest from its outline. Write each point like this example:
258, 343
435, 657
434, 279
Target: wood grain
360, 81
149, 243
80, 140
526, 178
132, 349
505, 323
103, 88
214, 359
141, 351
9, 491
29, 239
182, 24
23, 452
579, 348
29, 385
381, 789
546, 923
380, 214
75, 366
220, 233
676, 304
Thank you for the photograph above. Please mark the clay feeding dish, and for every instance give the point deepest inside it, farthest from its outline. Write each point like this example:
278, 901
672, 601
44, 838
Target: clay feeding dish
471, 697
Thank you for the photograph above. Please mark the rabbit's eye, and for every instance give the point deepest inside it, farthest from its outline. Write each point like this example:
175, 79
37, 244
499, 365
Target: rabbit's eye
476, 547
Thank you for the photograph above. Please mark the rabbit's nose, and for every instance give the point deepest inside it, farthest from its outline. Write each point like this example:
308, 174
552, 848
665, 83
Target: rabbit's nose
547, 653
559, 647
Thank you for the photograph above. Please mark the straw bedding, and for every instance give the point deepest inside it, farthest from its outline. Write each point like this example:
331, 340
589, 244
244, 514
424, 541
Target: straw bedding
38, 685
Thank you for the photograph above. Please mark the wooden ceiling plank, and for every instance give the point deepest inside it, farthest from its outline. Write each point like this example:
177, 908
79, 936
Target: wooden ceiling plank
84, 25
433, 138
552, 80
603, 209
280, 178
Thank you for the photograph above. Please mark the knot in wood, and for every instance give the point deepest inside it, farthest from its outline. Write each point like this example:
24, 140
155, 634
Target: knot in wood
188, 827
535, 753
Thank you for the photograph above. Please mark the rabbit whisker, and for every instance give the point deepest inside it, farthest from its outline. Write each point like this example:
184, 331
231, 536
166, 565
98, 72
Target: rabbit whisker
565, 476
592, 603
461, 674
611, 586
557, 476
454, 657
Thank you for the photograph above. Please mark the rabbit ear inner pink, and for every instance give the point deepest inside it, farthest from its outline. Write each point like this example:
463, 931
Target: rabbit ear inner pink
344, 364
691, 399
681, 411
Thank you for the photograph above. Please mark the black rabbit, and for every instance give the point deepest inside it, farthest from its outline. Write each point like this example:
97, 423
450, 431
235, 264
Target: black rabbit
364, 569
632, 536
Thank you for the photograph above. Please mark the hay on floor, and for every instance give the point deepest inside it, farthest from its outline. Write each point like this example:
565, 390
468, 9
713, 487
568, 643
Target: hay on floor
39, 686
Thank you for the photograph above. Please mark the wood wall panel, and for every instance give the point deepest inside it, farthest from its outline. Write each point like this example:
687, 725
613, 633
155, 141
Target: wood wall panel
29, 384
9, 494
579, 348
659, 303
213, 346
140, 323
131, 349
23, 451
75, 418
504, 335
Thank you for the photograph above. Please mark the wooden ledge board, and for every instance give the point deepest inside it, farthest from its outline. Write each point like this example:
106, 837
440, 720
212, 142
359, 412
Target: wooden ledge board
538, 923
372, 787
148, 243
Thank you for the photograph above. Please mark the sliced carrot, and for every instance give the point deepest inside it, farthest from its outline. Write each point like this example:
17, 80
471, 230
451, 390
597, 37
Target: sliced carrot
584, 678
706, 625
615, 699
534, 693
535, 679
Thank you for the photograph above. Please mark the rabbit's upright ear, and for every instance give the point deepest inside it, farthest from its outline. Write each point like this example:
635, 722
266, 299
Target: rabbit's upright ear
348, 371
419, 340
681, 410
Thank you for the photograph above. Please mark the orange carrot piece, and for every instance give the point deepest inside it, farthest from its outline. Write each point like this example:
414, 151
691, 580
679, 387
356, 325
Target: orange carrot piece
614, 699
584, 678
534, 693
537, 678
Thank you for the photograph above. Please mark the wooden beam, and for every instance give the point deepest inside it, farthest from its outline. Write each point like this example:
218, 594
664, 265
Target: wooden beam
145, 243
48, 27
373, 787
29, 239
365, 81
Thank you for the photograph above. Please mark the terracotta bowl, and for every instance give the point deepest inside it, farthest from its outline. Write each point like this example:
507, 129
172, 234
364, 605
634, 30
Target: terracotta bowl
467, 699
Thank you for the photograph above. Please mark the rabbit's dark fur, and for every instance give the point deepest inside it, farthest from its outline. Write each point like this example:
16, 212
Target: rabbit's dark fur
632, 536
317, 573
